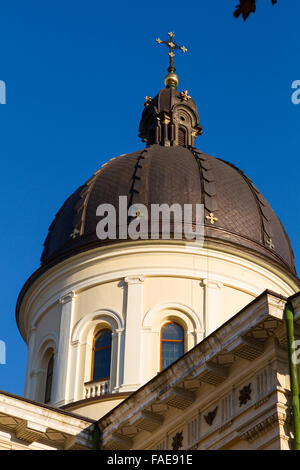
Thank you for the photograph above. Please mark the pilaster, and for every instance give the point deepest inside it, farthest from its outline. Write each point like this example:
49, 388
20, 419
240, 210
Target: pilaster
212, 305
61, 365
28, 379
133, 329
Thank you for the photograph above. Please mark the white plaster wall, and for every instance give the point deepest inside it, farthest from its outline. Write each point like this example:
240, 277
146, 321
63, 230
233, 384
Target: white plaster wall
43, 341
133, 289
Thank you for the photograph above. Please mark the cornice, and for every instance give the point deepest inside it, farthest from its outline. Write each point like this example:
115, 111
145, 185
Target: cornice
61, 271
196, 364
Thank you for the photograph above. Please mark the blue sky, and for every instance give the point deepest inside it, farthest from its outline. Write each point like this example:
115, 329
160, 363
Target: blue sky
77, 74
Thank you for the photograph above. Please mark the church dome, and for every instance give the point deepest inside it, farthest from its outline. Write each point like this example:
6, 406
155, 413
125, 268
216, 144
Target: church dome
128, 287
235, 211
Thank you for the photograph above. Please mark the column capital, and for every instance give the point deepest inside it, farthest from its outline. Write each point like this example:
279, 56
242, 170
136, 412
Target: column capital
66, 298
138, 279
212, 284
119, 331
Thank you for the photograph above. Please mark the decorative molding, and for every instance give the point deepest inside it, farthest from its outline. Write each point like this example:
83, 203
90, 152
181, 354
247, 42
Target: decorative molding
210, 417
147, 421
118, 442
211, 283
262, 427
184, 309
177, 441
167, 387
211, 373
85, 323
225, 426
97, 279
262, 401
39, 423
87, 260
29, 431
247, 348
245, 394
178, 398
49, 341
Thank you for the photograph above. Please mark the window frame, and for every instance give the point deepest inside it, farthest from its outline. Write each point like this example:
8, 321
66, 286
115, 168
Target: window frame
49, 380
96, 336
182, 341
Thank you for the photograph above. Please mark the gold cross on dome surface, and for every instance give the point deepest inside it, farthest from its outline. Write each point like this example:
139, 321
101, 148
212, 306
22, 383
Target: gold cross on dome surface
75, 233
212, 218
270, 243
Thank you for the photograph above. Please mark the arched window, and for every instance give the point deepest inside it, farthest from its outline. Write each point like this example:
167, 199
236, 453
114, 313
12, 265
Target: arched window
171, 344
181, 137
102, 355
49, 377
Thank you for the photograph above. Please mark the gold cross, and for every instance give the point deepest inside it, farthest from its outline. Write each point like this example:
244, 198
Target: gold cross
212, 218
184, 95
75, 233
172, 46
148, 99
270, 243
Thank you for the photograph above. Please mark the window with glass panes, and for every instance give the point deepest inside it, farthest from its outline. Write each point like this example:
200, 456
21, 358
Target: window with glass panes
102, 355
171, 343
49, 377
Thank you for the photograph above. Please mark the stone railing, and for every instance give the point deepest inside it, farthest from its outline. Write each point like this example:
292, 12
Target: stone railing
96, 388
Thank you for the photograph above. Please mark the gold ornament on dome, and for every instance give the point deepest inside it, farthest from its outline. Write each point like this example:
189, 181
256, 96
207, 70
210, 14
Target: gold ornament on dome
184, 95
270, 243
212, 218
148, 100
75, 233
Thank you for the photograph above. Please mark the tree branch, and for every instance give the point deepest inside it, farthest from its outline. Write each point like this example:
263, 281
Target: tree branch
246, 7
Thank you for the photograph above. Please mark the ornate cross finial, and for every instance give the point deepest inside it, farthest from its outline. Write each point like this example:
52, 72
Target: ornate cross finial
172, 46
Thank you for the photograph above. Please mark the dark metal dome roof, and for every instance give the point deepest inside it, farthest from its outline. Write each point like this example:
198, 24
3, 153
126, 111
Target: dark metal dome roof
171, 175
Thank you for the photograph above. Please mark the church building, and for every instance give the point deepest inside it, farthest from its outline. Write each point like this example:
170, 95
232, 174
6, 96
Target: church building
161, 343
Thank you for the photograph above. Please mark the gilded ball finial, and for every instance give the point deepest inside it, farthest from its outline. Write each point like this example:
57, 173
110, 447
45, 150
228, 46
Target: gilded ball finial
171, 80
